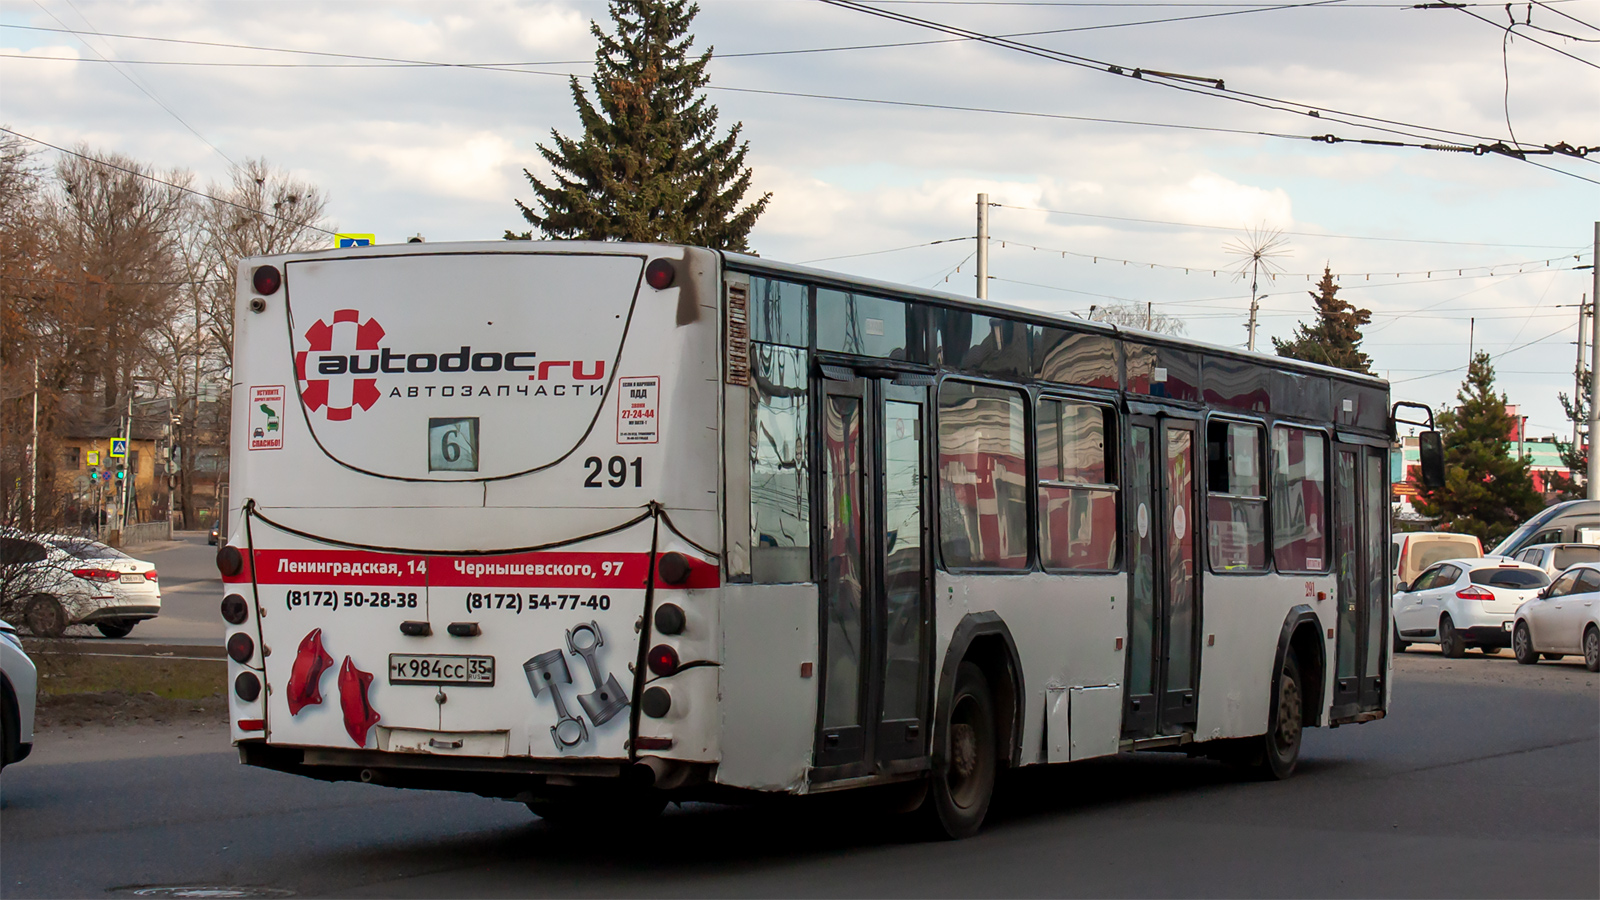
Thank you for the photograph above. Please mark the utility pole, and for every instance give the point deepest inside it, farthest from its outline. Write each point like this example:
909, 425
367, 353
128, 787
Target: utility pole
1149, 315
1577, 373
1594, 379
33, 459
127, 479
983, 246
1472, 335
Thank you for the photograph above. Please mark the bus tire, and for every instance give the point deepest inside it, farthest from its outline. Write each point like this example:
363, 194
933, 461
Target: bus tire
1280, 746
963, 783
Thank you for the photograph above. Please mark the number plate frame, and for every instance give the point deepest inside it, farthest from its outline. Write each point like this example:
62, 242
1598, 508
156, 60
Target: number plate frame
442, 662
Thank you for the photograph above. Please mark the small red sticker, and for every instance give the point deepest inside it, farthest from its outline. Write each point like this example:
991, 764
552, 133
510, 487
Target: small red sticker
306, 676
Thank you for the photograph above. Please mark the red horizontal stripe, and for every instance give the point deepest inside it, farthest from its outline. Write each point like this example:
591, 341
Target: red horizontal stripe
588, 569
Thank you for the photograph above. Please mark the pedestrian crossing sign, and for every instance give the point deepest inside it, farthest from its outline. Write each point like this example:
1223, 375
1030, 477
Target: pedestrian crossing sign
354, 240
119, 448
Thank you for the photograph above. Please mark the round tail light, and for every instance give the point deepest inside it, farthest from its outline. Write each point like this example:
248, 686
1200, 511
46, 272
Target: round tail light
656, 702
660, 274
241, 647
266, 279
247, 686
663, 660
234, 609
674, 568
669, 619
230, 561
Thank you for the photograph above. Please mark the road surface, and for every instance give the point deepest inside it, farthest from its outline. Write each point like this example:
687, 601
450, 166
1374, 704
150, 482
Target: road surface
1485, 781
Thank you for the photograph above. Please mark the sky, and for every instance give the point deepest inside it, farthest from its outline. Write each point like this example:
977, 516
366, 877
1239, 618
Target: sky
1447, 249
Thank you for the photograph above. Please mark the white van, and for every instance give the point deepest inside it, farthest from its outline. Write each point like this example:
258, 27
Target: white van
1413, 552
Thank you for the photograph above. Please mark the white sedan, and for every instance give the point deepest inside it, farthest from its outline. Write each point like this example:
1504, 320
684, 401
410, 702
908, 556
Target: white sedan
1461, 603
64, 580
18, 692
1563, 619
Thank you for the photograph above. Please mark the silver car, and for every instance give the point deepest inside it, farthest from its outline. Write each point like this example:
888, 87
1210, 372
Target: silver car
18, 693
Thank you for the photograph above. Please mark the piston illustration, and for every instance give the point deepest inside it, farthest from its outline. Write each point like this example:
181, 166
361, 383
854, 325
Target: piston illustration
305, 678
608, 698
548, 671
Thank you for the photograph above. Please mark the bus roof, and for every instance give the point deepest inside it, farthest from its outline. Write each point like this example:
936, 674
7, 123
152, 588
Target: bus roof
756, 264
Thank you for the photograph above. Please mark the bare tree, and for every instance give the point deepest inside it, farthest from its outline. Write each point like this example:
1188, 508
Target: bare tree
260, 212
1142, 316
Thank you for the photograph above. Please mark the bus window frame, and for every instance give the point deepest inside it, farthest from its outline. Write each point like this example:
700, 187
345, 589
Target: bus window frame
1263, 448
1030, 469
1050, 391
1328, 440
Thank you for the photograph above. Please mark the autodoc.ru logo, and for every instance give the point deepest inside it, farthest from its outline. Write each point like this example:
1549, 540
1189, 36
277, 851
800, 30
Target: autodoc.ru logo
324, 374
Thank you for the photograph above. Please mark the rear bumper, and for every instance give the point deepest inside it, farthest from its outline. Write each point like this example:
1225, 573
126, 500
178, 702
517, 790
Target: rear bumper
508, 778
136, 612
1496, 635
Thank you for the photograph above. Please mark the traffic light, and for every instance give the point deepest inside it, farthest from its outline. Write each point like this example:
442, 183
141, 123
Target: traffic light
122, 471
94, 473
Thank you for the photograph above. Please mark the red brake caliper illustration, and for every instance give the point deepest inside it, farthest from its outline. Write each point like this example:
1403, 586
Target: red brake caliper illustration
359, 716
306, 676
319, 339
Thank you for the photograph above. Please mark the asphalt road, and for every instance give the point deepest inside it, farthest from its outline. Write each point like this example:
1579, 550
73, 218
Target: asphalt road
1484, 782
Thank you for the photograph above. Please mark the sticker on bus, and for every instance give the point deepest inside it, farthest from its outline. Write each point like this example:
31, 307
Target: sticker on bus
638, 400
266, 418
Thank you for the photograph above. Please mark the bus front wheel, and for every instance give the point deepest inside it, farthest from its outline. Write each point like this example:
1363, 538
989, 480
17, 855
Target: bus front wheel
963, 783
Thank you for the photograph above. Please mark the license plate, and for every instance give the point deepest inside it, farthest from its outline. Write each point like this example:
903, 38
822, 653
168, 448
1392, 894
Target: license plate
132, 578
469, 671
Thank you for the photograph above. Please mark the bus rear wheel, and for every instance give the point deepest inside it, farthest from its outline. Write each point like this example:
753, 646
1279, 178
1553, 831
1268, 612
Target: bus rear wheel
963, 784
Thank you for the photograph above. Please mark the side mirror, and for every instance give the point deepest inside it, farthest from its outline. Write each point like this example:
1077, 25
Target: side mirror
1402, 588
1430, 447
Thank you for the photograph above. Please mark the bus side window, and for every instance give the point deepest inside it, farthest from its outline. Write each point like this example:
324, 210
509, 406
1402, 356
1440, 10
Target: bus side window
1236, 511
1077, 486
1300, 502
780, 494
983, 477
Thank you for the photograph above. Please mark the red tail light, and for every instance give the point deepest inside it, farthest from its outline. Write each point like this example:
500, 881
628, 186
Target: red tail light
252, 724
1475, 593
152, 576
97, 574
663, 660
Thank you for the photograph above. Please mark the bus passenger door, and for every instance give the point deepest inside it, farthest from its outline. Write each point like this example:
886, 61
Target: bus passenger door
1361, 534
871, 513
1163, 665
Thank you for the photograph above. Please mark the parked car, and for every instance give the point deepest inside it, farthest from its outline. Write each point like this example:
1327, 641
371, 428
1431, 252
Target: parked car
1562, 619
1461, 603
18, 693
1572, 522
1413, 552
1557, 558
74, 580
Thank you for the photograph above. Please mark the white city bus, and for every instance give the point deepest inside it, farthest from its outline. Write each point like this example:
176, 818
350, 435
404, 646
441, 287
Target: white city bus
595, 526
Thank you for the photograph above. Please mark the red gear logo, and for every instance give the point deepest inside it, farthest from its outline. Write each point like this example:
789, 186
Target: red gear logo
319, 339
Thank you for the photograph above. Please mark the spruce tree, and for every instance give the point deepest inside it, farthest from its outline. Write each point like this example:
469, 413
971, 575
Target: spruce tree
649, 166
1335, 339
1487, 492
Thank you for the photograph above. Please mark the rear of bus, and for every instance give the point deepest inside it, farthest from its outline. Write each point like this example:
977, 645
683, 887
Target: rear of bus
441, 526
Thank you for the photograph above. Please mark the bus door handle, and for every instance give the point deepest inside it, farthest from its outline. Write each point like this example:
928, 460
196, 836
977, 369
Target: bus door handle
830, 741
1134, 704
1188, 698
